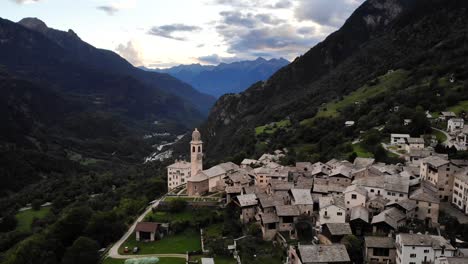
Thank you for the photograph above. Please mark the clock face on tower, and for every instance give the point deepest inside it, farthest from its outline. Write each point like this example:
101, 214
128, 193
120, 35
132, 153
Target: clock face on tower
199, 156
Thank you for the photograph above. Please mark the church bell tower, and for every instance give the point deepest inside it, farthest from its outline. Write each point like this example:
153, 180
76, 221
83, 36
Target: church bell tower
196, 153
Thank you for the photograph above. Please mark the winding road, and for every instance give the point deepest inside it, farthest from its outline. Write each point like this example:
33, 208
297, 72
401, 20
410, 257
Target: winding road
114, 250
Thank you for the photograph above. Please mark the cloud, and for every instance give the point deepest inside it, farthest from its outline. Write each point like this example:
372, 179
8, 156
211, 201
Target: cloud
250, 35
168, 31
20, 2
255, 4
131, 53
327, 13
110, 10
114, 7
216, 59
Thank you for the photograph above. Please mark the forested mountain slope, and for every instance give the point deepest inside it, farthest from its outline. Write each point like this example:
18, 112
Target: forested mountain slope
425, 39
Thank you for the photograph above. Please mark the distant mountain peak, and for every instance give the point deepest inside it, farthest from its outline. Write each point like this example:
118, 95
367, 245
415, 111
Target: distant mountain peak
34, 23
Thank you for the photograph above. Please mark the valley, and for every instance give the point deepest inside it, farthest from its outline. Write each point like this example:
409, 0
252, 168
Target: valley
353, 149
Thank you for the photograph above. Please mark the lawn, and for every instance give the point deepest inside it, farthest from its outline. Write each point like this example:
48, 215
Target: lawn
270, 129
441, 137
361, 152
385, 82
161, 261
25, 218
214, 230
189, 240
458, 108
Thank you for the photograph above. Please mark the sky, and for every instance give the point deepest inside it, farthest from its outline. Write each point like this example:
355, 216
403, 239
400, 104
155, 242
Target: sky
165, 33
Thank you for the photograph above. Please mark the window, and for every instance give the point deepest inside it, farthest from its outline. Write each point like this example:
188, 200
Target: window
388, 193
339, 213
381, 252
372, 190
426, 251
412, 255
288, 219
199, 149
353, 196
428, 211
401, 195
193, 149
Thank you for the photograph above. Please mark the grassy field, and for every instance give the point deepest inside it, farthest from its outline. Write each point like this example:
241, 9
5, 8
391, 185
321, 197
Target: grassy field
161, 261
270, 129
385, 82
214, 230
441, 137
25, 218
457, 109
361, 152
189, 240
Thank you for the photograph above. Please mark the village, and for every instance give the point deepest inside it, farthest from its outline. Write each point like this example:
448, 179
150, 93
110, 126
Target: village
310, 211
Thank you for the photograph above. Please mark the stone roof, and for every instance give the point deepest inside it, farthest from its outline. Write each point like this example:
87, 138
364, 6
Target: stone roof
267, 201
233, 189
199, 177
302, 196
279, 185
341, 170
412, 140
457, 260
181, 164
337, 200
462, 175
391, 216
320, 188
323, 253
269, 218
207, 261
360, 163
448, 114
356, 188
436, 242
426, 193
406, 204
249, 161
339, 229
247, 200
435, 161
287, 210
379, 242
394, 182
304, 183
359, 212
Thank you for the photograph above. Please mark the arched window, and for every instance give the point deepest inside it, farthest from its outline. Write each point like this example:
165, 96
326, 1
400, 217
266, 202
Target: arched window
193, 149
199, 149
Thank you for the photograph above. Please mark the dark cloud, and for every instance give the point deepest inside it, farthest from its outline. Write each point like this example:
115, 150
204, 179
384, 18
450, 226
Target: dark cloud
216, 59
110, 10
168, 31
328, 13
282, 4
249, 20
131, 53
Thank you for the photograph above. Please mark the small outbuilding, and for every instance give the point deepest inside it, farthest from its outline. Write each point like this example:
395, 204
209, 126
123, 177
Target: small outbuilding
147, 231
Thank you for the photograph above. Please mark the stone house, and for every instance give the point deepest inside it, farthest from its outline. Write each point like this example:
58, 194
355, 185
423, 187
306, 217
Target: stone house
336, 231
302, 199
359, 220
418, 248
439, 172
287, 215
318, 254
414, 143
455, 124
379, 250
248, 204
354, 195
460, 191
388, 221
177, 174
397, 139
427, 203
332, 209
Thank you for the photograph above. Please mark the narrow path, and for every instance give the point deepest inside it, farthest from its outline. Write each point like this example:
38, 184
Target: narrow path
150, 255
385, 146
114, 251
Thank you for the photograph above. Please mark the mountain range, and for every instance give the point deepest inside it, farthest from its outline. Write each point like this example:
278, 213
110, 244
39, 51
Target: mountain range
225, 78
65, 102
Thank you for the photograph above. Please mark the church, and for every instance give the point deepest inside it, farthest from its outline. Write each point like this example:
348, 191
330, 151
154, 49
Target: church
197, 180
